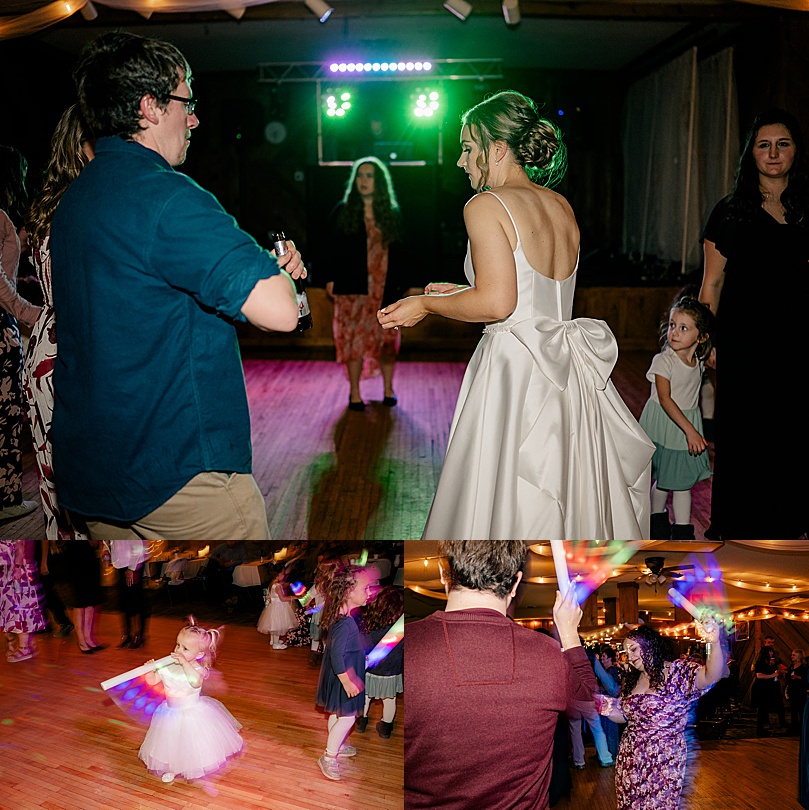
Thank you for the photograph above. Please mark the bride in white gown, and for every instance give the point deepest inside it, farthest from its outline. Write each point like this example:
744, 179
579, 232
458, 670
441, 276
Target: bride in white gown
541, 444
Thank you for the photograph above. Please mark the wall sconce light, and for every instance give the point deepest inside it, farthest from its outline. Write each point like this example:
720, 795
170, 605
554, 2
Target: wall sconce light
237, 13
460, 8
511, 11
319, 8
89, 11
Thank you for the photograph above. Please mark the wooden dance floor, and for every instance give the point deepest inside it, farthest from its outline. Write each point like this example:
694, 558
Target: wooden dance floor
330, 473
64, 745
728, 775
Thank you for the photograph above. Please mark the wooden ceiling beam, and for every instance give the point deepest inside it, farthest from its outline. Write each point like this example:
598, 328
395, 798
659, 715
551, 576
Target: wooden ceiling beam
649, 10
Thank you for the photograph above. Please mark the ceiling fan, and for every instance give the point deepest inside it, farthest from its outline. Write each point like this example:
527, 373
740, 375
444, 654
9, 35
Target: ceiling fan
656, 573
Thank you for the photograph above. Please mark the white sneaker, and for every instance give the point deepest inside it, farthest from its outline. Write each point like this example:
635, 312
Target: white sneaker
347, 751
329, 767
167, 777
279, 646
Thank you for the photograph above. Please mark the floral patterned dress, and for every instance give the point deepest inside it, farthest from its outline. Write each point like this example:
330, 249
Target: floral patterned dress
650, 769
13, 309
20, 600
38, 382
357, 333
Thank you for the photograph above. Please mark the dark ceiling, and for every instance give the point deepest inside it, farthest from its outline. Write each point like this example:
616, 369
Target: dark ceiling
554, 35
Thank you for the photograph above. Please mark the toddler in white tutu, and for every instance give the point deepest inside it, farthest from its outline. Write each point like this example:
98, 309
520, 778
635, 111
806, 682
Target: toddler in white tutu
278, 616
190, 735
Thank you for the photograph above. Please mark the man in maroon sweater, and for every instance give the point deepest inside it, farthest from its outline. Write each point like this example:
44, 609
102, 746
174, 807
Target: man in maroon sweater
483, 694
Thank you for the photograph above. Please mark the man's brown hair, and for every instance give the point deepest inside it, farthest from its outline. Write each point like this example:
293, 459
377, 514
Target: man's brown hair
484, 565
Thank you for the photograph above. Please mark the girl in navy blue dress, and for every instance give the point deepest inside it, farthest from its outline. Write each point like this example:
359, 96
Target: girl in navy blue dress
341, 687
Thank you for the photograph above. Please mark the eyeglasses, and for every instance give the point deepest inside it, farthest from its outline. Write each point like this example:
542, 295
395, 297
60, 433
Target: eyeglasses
190, 103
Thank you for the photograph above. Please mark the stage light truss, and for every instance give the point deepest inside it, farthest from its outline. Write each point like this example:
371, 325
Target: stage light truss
444, 69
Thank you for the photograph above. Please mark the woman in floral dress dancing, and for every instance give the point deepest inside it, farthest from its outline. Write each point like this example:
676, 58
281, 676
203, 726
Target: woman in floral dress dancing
655, 700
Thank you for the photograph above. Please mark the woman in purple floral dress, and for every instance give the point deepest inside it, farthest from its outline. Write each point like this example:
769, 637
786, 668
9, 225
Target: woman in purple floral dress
20, 608
655, 702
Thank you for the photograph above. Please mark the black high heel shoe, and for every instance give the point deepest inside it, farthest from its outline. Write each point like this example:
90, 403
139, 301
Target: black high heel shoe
88, 651
356, 406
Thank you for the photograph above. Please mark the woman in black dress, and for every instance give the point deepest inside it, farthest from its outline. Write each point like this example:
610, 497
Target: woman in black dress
83, 569
796, 690
757, 262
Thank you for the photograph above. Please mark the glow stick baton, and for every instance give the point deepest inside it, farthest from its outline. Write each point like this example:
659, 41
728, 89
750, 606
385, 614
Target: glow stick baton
684, 603
299, 590
560, 562
134, 673
387, 643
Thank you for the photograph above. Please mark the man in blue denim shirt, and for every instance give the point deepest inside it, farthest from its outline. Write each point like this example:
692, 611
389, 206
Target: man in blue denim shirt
151, 428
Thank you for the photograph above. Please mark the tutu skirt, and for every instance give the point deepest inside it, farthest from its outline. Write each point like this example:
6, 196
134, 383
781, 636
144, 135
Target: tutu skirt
190, 738
277, 617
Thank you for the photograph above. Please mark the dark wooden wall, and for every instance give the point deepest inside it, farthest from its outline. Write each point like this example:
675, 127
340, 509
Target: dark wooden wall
789, 635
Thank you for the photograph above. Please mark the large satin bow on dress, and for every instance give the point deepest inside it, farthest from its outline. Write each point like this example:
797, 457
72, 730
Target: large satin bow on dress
613, 454
586, 343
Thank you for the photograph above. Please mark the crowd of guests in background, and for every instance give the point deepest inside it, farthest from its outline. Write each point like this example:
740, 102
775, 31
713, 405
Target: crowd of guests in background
59, 585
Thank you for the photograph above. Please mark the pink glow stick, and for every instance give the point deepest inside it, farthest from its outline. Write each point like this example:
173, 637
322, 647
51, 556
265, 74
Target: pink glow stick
134, 673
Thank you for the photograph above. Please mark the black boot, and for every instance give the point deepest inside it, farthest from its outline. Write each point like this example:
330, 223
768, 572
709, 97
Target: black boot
659, 526
384, 729
682, 531
361, 724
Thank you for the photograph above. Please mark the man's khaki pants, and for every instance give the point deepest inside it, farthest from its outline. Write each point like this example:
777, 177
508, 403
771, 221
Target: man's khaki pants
211, 506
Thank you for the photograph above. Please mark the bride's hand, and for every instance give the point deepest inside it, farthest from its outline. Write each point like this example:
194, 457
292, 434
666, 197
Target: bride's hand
407, 312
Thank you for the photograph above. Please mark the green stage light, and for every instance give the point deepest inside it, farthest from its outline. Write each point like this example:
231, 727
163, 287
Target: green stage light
336, 103
426, 104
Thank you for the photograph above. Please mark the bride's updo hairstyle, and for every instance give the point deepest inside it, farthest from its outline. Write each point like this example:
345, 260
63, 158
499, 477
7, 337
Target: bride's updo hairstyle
535, 143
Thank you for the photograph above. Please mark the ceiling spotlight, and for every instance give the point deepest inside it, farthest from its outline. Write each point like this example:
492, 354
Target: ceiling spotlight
319, 8
511, 11
88, 11
460, 8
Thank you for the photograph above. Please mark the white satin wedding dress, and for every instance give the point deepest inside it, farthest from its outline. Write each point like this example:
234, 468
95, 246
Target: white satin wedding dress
542, 447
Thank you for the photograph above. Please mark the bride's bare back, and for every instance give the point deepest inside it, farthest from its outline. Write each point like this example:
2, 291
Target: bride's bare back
546, 223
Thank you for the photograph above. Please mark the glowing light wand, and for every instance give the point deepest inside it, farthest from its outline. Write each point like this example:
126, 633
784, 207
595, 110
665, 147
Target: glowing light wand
299, 591
134, 673
560, 563
684, 603
386, 644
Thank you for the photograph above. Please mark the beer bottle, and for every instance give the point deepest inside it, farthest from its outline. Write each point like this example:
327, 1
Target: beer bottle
279, 242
